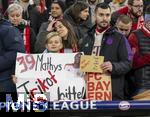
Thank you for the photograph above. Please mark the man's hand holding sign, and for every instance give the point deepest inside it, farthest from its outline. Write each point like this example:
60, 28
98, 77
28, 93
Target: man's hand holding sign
97, 77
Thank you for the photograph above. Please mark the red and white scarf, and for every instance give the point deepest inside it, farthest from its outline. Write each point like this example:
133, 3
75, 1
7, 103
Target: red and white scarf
26, 38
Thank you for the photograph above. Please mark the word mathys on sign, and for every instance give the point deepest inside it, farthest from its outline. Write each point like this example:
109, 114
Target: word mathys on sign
50, 72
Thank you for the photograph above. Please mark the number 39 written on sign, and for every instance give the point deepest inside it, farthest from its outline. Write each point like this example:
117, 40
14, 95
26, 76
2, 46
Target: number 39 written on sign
27, 62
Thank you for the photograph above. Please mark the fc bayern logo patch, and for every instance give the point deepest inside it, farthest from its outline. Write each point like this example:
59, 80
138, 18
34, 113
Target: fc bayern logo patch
124, 105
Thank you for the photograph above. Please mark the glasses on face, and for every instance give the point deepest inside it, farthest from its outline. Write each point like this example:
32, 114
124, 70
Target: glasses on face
138, 6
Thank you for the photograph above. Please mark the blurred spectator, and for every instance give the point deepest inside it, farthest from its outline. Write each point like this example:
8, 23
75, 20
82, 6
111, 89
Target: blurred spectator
92, 5
140, 44
108, 1
65, 30
57, 9
41, 6
78, 16
124, 25
68, 3
48, 3
134, 10
4, 5
32, 14
11, 42
116, 4
28, 34
57, 12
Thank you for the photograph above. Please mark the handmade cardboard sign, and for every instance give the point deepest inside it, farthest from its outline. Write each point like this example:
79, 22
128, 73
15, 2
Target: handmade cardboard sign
52, 73
92, 63
98, 86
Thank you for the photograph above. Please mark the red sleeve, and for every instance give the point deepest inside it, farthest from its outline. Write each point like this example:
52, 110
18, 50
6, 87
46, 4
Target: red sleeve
138, 59
123, 10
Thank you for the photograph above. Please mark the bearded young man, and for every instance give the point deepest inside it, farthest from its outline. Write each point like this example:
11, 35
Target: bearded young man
134, 10
103, 40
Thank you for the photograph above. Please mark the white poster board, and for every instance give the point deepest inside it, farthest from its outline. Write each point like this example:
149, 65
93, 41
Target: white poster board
52, 73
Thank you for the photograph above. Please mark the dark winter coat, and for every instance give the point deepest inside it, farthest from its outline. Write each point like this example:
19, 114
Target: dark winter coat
11, 42
115, 48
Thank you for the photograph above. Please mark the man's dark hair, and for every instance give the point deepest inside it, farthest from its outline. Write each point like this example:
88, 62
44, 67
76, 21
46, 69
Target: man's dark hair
103, 6
108, 1
69, 3
130, 2
60, 3
124, 19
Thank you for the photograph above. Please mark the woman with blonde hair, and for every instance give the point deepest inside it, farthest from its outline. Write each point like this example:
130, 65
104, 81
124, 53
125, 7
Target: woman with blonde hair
15, 17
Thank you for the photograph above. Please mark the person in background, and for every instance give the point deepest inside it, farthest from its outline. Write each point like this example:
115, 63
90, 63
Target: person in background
48, 3
15, 17
116, 4
124, 25
56, 13
65, 30
53, 43
32, 13
68, 3
78, 16
108, 1
134, 10
92, 5
103, 40
11, 42
140, 44
4, 5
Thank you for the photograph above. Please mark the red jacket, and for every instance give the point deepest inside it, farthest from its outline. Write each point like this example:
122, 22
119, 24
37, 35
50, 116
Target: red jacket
139, 60
124, 10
